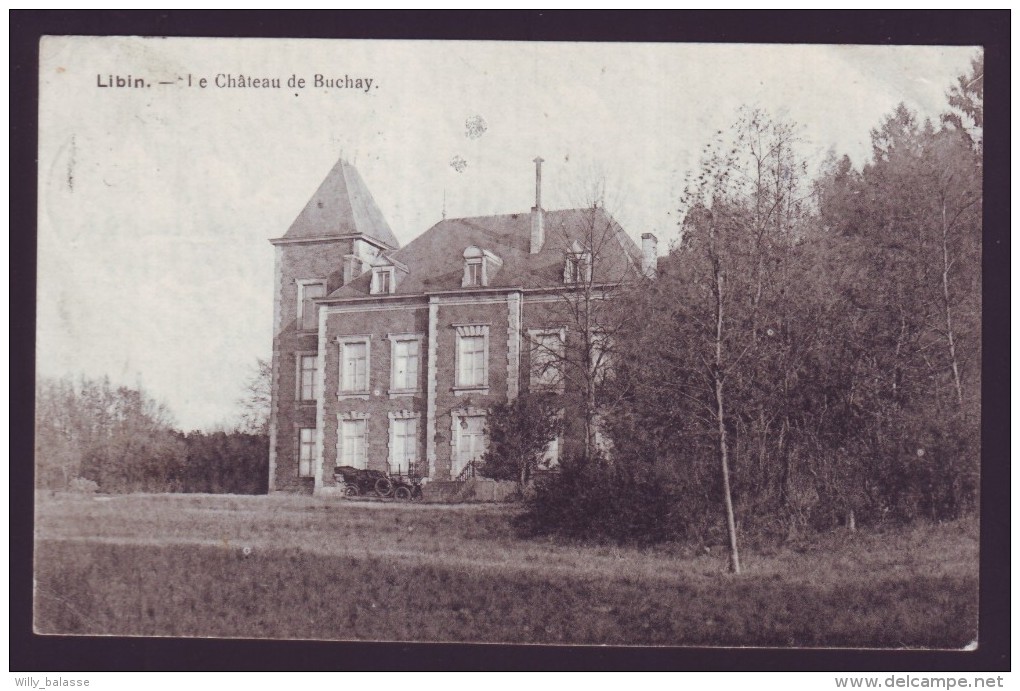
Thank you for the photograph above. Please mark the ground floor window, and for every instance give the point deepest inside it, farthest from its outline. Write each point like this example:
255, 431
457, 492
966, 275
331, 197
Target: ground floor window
552, 454
405, 445
306, 451
352, 443
469, 441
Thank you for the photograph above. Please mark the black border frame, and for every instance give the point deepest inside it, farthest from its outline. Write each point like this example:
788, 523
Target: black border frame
989, 29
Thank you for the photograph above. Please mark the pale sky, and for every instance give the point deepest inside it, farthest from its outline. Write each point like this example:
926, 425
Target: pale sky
156, 204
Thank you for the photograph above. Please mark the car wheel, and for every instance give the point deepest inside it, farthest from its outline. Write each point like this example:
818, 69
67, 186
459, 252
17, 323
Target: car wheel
383, 487
402, 493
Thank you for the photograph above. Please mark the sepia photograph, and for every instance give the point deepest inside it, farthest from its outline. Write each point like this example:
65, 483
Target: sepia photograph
539, 343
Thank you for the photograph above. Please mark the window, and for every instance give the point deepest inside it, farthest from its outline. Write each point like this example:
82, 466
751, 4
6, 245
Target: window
307, 377
601, 352
354, 357
573, 274
353, 444
406, 356
382, 281
551, 458
403, 443
546, 357
308, 318
471, 364
306, 451
577, 267
469, 440
480, 267
472, 361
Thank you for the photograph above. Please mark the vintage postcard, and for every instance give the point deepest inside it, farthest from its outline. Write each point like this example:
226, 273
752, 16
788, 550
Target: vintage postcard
533, 343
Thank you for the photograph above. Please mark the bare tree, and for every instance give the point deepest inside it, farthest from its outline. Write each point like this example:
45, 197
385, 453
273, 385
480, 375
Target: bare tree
742, 211
600, 262
255, 402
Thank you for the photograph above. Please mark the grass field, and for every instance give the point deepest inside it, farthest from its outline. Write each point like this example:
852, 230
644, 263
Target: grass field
302, 567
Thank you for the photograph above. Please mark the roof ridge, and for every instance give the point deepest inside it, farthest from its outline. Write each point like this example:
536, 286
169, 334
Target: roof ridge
518, 213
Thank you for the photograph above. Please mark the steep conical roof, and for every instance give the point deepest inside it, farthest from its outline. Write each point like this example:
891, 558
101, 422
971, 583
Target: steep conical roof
341, 206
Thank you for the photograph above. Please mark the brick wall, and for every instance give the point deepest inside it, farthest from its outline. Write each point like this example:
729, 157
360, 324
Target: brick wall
552, 312
495, 313
377, 321
296, 261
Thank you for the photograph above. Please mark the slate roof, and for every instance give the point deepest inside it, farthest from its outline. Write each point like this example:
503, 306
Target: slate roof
435, 259
341, 206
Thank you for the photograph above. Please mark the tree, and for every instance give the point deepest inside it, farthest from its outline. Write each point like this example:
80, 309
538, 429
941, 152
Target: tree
58, 434
966, 100
714, 393
226, 461
519, 433
601, 265
903, 257
257, 399
119, 437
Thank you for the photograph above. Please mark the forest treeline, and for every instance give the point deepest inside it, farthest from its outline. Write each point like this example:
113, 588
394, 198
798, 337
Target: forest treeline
91, 435
811, 348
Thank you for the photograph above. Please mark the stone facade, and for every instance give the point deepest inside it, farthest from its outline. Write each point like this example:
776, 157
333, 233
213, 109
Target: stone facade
384, 356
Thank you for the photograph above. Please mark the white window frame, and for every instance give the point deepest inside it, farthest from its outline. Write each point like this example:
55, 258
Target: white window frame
352, 418
456, 434
302, 285
533, 347
577, 268
465, 331
602, 345
378, 276
299, 357
306, 466
395, 339
474, 274
551, 458
398, 418
487, 263
345, 391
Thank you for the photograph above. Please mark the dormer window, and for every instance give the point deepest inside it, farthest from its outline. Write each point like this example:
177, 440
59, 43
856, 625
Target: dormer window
384, 274
480, 267
382, 280
577, 268
573, 272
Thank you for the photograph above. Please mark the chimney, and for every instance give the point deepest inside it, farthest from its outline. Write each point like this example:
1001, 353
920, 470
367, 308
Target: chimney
537, 222
352, 267
649, 251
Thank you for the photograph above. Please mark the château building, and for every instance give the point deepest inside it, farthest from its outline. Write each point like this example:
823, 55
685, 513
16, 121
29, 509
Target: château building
388, 357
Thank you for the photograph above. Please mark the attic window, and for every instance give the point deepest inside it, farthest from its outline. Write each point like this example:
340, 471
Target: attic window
382, 281
577, 268
480, 266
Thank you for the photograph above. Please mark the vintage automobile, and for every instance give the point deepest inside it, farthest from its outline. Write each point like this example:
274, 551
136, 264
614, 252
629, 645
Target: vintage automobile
364, 482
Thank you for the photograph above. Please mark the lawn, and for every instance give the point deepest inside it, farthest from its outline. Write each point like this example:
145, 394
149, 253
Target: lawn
310, 568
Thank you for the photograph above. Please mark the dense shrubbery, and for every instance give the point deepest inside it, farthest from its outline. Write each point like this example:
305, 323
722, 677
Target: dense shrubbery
594, 500
226, 462
518, 433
